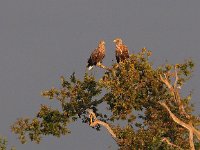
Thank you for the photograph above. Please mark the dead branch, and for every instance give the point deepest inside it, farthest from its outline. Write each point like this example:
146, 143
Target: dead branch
166, 81
174, 91
94, 122
171, 144
191, 140
189, 126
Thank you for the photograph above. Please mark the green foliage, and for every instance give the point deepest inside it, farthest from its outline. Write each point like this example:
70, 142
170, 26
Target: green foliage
3, 144
131, 90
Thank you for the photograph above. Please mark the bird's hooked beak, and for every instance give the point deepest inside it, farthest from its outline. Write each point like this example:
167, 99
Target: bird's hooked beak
114, 41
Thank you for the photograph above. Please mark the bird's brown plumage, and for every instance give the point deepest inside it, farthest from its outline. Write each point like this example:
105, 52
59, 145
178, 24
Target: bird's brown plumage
97, 55
121, 51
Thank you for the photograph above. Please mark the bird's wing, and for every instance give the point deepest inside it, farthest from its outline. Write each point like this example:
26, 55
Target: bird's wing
125, 51
117, 54
95, 54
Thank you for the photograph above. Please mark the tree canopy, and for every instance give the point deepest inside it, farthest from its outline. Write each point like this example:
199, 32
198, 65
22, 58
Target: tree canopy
145, 98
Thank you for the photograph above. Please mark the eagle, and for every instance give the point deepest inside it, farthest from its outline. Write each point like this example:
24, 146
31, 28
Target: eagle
97, 55
121, 51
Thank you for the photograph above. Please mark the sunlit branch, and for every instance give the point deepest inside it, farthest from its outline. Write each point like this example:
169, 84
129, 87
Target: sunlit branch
173, 90
171, 144
94, 122
191, 140
100, 65
166, 81
189, 126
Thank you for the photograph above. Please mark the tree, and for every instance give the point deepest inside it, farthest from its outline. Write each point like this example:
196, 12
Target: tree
145, 98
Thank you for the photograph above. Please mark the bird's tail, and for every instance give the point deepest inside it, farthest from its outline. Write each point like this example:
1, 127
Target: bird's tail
89, 67
90, 64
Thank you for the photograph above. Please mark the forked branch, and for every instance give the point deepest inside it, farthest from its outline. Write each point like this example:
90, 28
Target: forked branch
174, 91
94, 122
188, 126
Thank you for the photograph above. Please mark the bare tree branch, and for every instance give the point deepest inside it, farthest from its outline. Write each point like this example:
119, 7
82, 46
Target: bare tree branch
171, 144
189, 126
94, 122
191, 140
165, 80
174, 91
100, 65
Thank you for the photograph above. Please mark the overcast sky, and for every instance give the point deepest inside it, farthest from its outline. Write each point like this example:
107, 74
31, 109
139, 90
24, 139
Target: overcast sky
40, 40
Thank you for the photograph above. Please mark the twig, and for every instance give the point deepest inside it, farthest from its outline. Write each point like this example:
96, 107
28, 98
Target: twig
100, 65
176, 77
94, 122
171, 144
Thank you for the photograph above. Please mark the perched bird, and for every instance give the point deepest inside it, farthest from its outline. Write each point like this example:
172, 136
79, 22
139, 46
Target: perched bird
97, 55
121, 51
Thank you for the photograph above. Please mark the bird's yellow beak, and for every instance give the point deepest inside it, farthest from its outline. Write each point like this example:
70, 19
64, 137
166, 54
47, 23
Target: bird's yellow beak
114, 40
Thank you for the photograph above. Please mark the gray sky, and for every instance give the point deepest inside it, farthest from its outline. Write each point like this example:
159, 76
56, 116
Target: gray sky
40, 40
